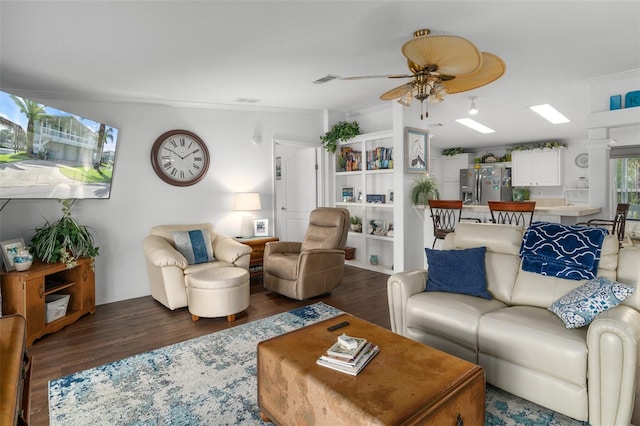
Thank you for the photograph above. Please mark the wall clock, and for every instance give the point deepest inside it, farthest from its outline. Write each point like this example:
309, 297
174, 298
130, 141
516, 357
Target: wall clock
180, 157
582, 160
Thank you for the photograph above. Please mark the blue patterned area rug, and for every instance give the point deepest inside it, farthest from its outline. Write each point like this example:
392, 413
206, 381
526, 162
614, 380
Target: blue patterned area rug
211, 380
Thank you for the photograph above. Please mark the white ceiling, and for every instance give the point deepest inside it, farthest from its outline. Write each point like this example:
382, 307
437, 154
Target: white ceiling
209, 53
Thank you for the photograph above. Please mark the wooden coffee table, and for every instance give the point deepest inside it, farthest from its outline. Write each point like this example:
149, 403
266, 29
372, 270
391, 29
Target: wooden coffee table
406, 383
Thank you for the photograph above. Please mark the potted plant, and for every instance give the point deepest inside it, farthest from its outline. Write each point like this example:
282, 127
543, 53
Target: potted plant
63, 241
341, 131
423, 188
356, 224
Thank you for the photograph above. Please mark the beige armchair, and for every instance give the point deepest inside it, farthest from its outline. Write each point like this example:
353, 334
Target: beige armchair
315, 266
167, 267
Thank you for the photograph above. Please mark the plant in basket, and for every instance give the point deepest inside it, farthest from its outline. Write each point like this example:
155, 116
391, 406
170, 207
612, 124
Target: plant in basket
63, 241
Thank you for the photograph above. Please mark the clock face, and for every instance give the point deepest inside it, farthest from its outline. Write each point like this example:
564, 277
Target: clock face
180, 158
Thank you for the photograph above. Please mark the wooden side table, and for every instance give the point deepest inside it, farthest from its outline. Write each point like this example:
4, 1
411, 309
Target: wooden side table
257, 253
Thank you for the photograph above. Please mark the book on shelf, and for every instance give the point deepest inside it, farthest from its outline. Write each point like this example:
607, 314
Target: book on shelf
368, 353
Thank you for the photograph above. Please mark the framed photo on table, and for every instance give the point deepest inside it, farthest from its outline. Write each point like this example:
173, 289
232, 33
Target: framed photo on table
261, 228
416, 149
10, 249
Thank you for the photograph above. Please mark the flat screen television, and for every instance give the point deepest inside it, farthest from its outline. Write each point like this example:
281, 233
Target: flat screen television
49, 153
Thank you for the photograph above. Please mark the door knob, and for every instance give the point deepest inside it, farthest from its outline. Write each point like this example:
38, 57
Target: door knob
282, 208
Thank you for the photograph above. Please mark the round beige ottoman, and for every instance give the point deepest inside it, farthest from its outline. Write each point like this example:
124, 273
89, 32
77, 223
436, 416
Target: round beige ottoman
217, 292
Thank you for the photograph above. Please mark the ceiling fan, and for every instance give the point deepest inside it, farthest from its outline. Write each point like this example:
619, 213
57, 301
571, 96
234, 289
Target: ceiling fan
440, 65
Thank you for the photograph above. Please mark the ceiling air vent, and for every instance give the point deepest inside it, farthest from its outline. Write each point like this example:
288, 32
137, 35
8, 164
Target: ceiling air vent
247, 100
327, 78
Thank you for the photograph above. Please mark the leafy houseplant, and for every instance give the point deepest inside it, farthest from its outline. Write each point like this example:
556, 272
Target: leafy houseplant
63, 241
423, 188
341, 131
356, 224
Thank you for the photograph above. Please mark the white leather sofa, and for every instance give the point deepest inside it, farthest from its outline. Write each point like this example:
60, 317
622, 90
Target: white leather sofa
587, 373
167, 267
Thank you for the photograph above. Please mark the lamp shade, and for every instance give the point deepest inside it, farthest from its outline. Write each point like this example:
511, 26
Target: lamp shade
246, 201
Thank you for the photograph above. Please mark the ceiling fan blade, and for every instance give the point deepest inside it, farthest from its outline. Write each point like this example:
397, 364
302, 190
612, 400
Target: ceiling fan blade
396, 92
493, 67
362, 77
452, 54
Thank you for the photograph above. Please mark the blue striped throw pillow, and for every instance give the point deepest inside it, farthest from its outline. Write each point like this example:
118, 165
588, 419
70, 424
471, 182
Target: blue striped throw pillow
195, 245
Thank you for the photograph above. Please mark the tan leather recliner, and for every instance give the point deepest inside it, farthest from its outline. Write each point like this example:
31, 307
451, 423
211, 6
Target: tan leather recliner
315, 266
167, 267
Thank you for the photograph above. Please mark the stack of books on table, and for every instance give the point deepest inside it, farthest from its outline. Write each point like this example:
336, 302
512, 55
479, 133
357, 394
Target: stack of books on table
351, 358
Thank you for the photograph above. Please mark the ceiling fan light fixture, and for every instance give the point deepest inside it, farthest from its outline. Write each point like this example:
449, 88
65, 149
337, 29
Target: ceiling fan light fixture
405, 99
473, 108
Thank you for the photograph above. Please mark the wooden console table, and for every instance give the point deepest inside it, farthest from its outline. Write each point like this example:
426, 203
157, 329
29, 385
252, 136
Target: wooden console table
24, 293
257, 253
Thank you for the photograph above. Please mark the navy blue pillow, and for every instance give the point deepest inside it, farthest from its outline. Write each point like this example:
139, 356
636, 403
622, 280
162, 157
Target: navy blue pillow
458, 271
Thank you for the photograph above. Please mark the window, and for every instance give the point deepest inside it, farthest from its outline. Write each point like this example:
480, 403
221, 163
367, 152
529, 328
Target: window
626, 168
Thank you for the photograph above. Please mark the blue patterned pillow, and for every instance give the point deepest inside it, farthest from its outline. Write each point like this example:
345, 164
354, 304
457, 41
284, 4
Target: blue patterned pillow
194, 245
581, 305
458, 271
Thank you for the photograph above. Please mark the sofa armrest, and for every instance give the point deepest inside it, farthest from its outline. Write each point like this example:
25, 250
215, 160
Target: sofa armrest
230, 250
282, 247
401, 286
160, 253
612, 341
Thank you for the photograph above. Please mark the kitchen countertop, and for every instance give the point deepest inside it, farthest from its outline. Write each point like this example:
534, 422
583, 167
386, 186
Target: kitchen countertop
574, 211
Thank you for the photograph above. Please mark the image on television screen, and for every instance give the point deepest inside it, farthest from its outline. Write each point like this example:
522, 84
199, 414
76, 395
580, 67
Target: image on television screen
49, 153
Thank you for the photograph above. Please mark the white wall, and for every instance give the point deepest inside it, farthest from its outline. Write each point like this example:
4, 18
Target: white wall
140, 200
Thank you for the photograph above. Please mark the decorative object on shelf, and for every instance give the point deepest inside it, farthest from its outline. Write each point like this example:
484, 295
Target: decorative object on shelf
390, 196
615, 102
450, 152
542, 145
341, 131
416, 148
373, 259
390, 230
423, 188
346, 194
441, 64
11, 249
582, 182
356, 224
632, 99
261, 227
376, 198
180, 158
377, 227
582, 160
63, 241
489, 158
23, 260
246, 202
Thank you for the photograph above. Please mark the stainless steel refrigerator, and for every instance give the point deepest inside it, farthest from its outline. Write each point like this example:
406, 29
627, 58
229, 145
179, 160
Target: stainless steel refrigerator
487, 183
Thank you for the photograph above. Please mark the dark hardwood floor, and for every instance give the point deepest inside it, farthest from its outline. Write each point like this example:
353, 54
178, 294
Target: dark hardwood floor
122, 329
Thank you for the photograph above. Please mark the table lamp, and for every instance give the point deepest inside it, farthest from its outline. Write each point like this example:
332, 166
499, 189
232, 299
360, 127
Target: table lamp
245, 202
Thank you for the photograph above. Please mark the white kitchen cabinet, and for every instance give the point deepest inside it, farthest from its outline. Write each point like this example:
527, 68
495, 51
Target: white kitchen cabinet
537, 167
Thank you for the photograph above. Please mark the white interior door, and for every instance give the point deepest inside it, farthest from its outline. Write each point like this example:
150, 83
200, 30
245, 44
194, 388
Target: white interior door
296, 189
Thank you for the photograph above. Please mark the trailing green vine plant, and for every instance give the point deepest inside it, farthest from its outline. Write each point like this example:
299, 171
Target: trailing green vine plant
341, 131
63, 241
540, 145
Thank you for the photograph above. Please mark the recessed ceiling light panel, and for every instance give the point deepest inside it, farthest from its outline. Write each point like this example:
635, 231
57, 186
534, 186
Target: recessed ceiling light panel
472, 124
549, 113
